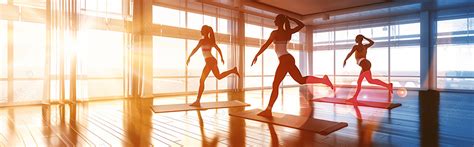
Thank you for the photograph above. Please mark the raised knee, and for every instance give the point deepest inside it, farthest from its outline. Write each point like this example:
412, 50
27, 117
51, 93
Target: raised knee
301, 80
219, 77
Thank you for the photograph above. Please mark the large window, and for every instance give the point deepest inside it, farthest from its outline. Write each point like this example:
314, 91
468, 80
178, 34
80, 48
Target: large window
395, 56
40, 67
455, 51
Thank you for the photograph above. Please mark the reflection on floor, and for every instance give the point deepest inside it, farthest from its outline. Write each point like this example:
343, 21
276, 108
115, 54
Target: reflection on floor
132, 123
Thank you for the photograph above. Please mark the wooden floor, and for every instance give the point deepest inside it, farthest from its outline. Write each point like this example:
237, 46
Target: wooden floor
132, 123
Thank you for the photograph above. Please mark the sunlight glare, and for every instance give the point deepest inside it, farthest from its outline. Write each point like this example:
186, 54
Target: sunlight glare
402, 92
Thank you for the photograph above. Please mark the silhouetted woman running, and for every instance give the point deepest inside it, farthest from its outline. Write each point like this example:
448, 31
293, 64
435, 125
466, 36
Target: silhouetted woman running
360, 56
207, 43
280, 38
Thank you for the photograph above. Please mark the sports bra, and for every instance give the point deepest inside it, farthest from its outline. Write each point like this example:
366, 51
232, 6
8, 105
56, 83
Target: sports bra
206, 51
206, 47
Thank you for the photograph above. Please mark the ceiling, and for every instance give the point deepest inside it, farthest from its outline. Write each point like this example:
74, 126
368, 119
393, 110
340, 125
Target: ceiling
308, 7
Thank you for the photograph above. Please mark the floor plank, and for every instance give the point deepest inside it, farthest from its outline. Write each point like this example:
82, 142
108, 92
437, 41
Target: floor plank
132, 123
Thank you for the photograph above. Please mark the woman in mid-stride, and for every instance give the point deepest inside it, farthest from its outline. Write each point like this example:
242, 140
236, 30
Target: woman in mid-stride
360, 51
280, 38
206, 44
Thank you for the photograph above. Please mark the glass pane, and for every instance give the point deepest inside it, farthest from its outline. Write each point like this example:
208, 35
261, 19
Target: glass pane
455, 69
405, 61
95, 88
455, 66
323, 62
168, 16
29, 50
253, 31
451, 26
102, 8
256, 69
405, 55
3, 49
27, 90
94, 49
252, 82
169, 56
223, 26
169, 85
196, 21
322, 38
295, 38
3, 91
409, 29
266, 32
407, 82
193, 84
28, 61
99, 72
289, 81
3, 61
456, 83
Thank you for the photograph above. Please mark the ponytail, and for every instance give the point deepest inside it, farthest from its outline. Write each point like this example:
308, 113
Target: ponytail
287, 24
211, 35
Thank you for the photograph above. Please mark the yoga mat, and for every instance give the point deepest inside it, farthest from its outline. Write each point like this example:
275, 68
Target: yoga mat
384, 105
204, 106
319, 126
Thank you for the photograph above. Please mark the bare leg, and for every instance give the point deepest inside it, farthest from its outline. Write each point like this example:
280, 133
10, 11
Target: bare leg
205, 73
358, 88
296, 75
215, 71
279, 76
378, 82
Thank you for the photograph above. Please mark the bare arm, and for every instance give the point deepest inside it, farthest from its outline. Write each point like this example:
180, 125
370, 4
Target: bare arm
220, 52
264, 47
287, 24
371, 42
297, 28
349, 55
194, 51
